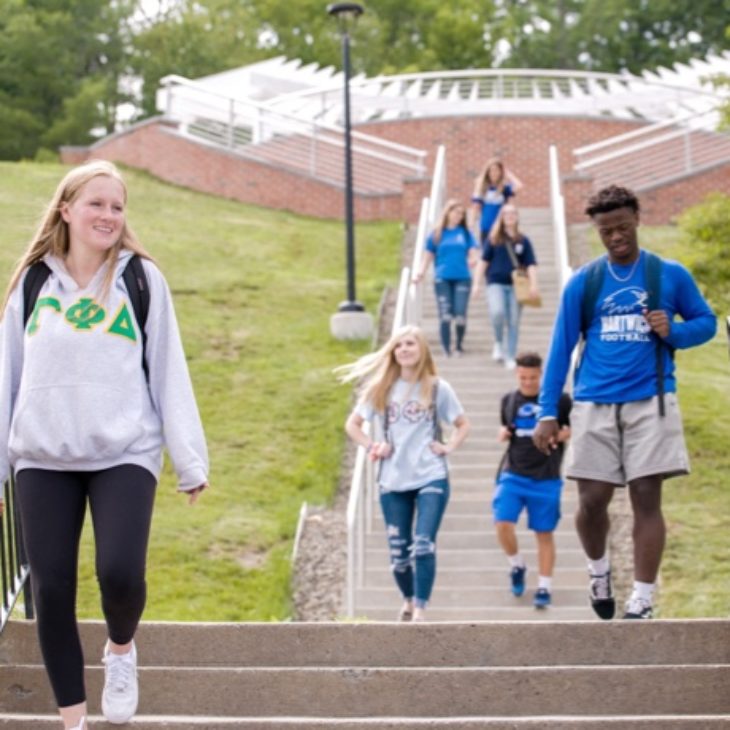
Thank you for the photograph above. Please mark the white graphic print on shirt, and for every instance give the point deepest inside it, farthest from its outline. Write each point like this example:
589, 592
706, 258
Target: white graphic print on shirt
622, 318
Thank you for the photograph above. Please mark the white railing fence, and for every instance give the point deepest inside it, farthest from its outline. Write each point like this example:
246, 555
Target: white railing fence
363, 493
658, 153
259, 131
560, 230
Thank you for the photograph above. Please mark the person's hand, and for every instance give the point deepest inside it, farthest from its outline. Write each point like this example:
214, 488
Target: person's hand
658, 321
417, 277
545, 436
2, 506
193, 494
534, 293
380, 450
474, 291
440, 449
505, 433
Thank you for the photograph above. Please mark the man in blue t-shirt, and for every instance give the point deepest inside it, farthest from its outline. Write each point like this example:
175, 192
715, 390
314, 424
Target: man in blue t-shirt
626, 424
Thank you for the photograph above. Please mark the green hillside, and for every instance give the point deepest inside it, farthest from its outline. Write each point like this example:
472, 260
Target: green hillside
254, 290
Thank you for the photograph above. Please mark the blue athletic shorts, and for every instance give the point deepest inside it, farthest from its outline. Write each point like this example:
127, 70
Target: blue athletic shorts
540, 497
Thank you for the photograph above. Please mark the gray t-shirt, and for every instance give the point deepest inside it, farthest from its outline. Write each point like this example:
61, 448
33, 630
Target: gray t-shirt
410, 431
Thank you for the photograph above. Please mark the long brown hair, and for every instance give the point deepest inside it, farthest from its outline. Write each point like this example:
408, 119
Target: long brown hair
444, 219
483, 181
52, 234
379, 370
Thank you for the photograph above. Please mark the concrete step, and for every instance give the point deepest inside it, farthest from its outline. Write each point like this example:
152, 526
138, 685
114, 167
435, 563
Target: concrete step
478, 540
172, 722
384, 691
466, 578
448, 558
478, 597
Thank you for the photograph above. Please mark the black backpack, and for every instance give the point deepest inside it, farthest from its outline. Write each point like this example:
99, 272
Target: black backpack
134, 279
595, 273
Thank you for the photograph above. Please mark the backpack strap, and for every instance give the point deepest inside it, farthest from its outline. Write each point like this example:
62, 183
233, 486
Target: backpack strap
139, 294
32, 285
511, 415
595, 273
653, 279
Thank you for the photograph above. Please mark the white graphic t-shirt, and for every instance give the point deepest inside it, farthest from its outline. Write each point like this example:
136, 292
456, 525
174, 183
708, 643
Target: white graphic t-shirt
411, 432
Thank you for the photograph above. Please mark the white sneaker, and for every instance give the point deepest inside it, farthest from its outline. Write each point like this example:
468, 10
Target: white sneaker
121, 694
510, 364
497, 353
81, 725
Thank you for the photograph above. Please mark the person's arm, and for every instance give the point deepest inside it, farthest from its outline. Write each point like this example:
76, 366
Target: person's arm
375, 449
532, 276
426, 260
171, 390
11, 366
513, 180
478, 277
699, 321
458, 434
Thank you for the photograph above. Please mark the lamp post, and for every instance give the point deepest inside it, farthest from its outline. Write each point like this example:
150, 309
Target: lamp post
351, 320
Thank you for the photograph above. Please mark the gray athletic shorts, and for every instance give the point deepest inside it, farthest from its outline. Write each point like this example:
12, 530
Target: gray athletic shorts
620, 442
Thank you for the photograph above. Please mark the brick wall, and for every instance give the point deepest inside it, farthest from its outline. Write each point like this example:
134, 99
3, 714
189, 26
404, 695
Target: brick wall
522, 142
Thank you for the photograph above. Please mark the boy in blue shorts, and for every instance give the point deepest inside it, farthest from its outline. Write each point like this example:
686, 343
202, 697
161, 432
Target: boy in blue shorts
529, 479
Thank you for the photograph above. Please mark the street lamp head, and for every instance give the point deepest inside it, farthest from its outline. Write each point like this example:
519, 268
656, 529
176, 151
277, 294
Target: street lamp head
346, 14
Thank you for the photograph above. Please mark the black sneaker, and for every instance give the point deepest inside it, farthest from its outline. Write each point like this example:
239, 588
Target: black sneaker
517, 580
638, 608
601, 594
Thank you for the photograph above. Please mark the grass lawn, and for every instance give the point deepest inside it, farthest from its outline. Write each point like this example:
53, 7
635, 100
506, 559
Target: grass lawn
696, 567
254, 290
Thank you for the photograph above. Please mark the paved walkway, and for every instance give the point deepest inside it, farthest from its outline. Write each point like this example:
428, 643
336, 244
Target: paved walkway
472, 580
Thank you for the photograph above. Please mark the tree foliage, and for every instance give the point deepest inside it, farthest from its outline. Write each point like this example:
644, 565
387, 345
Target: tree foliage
706, 231
65, 64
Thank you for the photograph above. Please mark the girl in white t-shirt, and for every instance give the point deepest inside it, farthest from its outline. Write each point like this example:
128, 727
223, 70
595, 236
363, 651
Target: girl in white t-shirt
408, 402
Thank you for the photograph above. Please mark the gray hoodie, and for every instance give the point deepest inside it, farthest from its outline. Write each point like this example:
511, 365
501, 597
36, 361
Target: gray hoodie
73, 394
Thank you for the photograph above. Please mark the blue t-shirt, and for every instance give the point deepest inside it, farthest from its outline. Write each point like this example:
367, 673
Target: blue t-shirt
500, 264
619, 361
452, 253
491, 204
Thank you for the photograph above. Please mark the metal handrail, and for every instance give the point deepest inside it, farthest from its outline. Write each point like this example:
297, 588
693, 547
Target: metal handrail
362, 486
14, 570
557, 208
266, 121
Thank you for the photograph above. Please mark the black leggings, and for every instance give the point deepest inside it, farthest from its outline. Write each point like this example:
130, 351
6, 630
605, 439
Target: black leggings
52, 508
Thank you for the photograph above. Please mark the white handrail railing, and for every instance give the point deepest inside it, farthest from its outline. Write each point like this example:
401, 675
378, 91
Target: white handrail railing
557, 208
262, 131
362, 487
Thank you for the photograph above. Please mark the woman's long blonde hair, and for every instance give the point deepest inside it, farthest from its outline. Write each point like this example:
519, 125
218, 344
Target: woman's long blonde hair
483, 181
498, 236
443, 222
379, 370
52, 234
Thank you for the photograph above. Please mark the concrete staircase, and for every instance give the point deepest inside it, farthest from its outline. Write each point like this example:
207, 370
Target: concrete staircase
472, 581
659, 674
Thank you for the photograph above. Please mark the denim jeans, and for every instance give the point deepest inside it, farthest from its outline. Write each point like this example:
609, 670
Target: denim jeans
504, 310
413, 551
452, 298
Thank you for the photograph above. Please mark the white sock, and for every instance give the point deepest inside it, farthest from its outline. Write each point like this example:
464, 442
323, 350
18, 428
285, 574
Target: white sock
645, 591
599, 567
516, 560
545, 582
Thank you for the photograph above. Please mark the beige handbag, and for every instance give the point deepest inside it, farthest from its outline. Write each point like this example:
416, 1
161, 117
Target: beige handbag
521, 281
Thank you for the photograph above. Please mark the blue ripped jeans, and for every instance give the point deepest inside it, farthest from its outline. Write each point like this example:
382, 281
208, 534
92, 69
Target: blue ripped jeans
504, 311
452, 298
413, 551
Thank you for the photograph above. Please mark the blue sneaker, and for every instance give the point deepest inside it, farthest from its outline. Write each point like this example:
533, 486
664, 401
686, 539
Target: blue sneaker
518, 580
542, 598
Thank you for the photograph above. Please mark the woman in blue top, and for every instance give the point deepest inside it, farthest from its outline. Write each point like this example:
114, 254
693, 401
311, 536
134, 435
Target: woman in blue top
455, 252
492, 189
505, 246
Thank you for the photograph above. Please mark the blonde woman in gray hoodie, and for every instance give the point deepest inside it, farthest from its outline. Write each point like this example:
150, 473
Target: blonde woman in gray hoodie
87, 402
